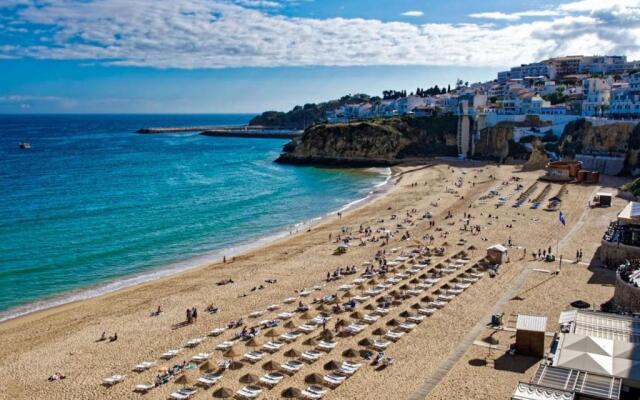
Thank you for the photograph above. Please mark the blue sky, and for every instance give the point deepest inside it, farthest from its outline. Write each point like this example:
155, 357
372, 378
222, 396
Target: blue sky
157, 56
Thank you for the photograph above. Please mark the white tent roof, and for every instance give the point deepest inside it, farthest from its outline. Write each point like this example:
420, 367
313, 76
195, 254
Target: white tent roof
599, 355
527, 391
631, 213
498, 247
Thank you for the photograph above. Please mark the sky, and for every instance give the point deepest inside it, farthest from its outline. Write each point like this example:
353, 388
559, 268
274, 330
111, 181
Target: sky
233, 56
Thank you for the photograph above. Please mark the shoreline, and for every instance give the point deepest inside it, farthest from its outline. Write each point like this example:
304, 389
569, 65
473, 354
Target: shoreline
194, 263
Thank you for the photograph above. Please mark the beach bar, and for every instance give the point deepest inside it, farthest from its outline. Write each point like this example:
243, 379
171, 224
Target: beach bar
530, 330
621, 241
497, 254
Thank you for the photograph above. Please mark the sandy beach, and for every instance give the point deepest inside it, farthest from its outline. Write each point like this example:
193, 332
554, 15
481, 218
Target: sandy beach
433, 360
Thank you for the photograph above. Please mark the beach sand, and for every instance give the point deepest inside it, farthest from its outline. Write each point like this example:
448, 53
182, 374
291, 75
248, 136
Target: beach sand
63, 339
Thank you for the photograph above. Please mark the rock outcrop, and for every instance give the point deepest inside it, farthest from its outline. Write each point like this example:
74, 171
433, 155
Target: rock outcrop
538, 158
582, 136
373, 143
494, 142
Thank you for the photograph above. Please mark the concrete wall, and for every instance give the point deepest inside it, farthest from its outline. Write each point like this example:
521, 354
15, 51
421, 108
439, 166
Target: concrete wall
614, 254
626, 296
604, 164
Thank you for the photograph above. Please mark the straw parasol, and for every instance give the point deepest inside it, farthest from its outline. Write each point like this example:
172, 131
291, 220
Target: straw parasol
350, 353
405, 314
183, 380
414, 281
292, 353
366, 342
310, 342
360, 287
206, 367
393, 322
405, 287
289, 325
331, 365
305, 315
271, 333
369, 307
357, 315
326, 334
270, 366
291, 393
445, 244
249, 379
347, 294
223, 393
253, 342
314, 379
322, 308
416, 306
427, 299
231, 353
380, 332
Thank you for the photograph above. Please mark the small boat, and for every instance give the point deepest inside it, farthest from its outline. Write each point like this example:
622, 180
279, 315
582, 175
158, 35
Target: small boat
24, 145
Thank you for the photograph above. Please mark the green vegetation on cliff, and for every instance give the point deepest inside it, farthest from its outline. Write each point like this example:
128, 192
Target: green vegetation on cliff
374, 142
302, 117
632, 187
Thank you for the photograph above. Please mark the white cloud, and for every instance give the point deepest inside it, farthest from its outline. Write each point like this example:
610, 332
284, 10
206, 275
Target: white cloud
223, 33
514, 16
413, 13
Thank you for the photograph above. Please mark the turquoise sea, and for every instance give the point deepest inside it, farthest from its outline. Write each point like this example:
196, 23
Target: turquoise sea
92, 206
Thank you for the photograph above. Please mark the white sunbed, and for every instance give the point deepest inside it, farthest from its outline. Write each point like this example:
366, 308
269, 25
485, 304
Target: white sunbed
311, 355
345, 371
394, 335
289, 300
143, 366
272, 379
273, 307
470, 279
201, 357
253, 356
361, 298
382, 311
256, 314
169, 354
183, 393
334, 380
143, 387
217, 331
414, 292
454, 291
424, 285
226, 345
209, 380
427, 311
370, 318
249, 392
381, 344
292, 366
194, 342
319, 320
305, 293
289, 336
416, 319
272, 346
285, 315
314, 392
352, 365
436, 304
407, 326
113, 379
462, 285
307, 328
326, 345
356, 328
446, 297
345, 287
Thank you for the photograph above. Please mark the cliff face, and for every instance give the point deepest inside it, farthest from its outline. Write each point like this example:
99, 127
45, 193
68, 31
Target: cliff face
494, 142
581, 136
621, 138
372, 143
538, 158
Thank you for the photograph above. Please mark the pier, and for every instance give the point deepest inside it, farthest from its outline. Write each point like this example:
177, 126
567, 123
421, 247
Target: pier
259, 132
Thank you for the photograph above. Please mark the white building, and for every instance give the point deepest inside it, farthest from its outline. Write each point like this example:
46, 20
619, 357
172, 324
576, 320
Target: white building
596, 93
625, 99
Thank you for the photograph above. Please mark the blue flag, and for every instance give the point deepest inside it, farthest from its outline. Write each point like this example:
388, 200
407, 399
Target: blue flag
561, 218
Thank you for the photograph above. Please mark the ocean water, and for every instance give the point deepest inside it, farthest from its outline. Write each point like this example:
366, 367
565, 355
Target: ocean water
94, 205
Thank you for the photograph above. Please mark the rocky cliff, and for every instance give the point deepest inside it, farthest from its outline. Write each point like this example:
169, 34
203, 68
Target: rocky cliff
619, 138
538, 158
494, 142
373, 143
